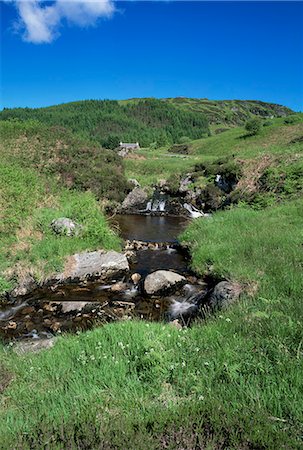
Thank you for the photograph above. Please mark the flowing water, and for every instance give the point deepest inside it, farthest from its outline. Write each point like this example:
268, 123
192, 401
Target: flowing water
49, 310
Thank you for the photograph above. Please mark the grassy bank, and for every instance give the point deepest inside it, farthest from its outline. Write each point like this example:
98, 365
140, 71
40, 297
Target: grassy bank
232, 382
33, 193
279, 144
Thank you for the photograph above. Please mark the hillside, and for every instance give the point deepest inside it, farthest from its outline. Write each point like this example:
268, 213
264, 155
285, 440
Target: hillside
108, 122
270, 162
148, 121
225, 112
230, 112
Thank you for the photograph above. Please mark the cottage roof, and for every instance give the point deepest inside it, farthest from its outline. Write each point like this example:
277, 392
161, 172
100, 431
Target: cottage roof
129, 145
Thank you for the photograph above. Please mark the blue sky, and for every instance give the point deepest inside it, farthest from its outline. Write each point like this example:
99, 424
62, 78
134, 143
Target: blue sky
217, 50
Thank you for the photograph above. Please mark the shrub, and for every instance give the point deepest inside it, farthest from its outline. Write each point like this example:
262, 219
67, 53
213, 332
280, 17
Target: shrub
184, 140
253, 126
267, 123
181, 149
212, 198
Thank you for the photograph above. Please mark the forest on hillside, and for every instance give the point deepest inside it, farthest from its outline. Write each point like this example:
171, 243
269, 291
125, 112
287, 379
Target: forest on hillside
107, 122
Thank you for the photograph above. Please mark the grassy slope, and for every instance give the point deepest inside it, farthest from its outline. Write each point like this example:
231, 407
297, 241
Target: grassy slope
274, 141
31, 197
225, 112
234, 382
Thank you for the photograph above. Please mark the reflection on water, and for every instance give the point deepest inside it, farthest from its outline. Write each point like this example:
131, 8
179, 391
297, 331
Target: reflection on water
151, 260
150, 228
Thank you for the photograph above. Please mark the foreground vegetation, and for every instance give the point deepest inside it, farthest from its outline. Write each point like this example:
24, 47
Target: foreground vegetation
233, 381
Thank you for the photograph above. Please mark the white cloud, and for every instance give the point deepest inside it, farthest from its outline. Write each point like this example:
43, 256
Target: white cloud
40, 21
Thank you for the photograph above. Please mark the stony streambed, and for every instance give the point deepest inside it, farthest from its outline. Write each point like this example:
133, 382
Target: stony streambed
151, 280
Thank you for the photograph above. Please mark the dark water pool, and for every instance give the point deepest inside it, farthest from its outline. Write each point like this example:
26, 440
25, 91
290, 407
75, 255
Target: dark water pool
148, 261
150, 228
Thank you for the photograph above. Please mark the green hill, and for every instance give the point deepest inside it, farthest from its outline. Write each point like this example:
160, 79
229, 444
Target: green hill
108, 122
226, 112
230, 112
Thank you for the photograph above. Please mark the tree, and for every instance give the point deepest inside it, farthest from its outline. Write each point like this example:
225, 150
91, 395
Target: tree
253, 126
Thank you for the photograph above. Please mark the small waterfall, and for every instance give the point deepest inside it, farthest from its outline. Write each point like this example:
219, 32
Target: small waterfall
226, 184
194, 212
182, 309
162, 204
149, 206
9, 312
157, 204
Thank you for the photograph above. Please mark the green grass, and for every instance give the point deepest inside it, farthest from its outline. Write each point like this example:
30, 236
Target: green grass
263, 247
154, 165
274, 139
233, 382
31, 197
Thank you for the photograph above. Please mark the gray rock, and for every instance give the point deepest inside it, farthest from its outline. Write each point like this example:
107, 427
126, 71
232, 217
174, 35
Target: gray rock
134, 182
224, 294
72, 306
25, 285
94, 265
162, 280
65, 227
33, 345
162, 184
137, 198
136, 277
185, 182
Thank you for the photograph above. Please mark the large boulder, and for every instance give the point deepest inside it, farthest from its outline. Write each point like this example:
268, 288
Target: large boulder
137, 198
25, 285
162, 281
224, 294
65, 227
94, 265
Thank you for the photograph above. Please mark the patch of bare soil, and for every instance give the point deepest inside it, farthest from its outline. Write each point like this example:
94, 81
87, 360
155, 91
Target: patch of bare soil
69, 266
25, 236
5, 378
253, 169
135, 156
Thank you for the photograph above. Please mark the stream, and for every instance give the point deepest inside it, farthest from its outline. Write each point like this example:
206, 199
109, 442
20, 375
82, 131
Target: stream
152, 243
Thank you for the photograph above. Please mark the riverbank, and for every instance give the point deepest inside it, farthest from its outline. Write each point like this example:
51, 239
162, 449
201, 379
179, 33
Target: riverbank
233, 381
